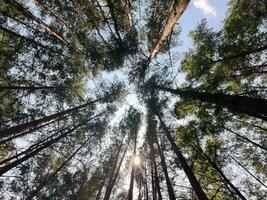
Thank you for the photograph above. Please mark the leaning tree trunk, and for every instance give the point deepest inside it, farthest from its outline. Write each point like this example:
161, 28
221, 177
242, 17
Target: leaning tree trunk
222, 175
130, 192
36, 150
165, 171
113, 179
172, 19
19, 7
254, 107
50, 178
154, 167
31, 125
256, 178
246, 139
187, 169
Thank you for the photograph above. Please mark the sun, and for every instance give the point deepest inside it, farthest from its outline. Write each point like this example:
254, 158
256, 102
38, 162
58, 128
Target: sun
137, 160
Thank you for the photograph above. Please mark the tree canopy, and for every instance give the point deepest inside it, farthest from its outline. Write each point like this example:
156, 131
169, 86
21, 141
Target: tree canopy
97, 103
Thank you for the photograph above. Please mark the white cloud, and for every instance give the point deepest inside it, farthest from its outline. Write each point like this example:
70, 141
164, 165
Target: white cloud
205, 7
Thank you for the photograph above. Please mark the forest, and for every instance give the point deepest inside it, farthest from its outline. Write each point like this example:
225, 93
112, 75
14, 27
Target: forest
106, 99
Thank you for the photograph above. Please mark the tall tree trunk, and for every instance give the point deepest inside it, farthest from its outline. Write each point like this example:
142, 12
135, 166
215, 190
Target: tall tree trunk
19, 7
29, 125
248, 171
130, 192
187, 169
146, 186
43, 146
31, 88
246, 139
29, 40
113, 179
116, 26
165, 171
172, 19
154, 164
221, 174
153, 185
50, 178
242, 104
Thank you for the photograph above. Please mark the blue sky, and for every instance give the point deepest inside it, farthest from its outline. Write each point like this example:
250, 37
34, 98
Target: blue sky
213, 10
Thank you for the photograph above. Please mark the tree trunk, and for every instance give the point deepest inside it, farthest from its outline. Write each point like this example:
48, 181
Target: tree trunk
29, 125
221, 174
172, 19
246, 139
154, 166
165, 171
187, 169
241, 104
31, 88
36, 150
113, 179
50, 178
19, 7
130, 192
29, 40
116, 26
248, 171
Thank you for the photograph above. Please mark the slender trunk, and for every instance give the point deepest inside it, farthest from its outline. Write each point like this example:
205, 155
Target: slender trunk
251, 125
172, 19
127, 6
154, 191
29, 40
248, 171
116, 26
187, 169
27, 132
113, 180
30, 148
50, 178
146, 186
165, 171
246, 139
241, 54
130, 192
113, 171
157, 185
19, 7
153, 163
43, 146
31, 125
33, 153
221, 174
242, 104
31, 88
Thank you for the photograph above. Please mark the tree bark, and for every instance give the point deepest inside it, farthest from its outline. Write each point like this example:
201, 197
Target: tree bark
113, 179
50, 178
172, 19
248, 171
36, 150
19, 7
165, 171
31, 125
246, 139
32, 88
224, 178
130, 192
242, 104
187, 169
